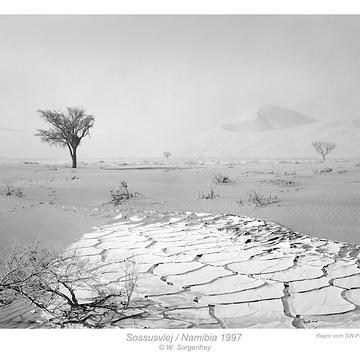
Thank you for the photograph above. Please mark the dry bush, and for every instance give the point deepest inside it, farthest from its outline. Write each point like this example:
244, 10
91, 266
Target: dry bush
121, 194
282, 182
221, 179
63, 287
258, 199
13, 191
210, 194
323, 171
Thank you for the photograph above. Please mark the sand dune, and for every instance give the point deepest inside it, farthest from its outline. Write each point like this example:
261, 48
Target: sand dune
274, 132
270, 117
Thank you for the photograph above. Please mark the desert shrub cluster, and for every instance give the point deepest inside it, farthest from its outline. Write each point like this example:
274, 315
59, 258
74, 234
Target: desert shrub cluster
209, 194
322, 171
13, 191
221, 179
290, 173
258, 199
121, 194
283, 182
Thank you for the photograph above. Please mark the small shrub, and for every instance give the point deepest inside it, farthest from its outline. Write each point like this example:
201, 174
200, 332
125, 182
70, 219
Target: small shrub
120, 194
323, 171
259, 200
73, 178
11, 191
221, 179
210, 194
283, 182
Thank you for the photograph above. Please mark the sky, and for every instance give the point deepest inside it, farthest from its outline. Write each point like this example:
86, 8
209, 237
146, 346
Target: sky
152, 80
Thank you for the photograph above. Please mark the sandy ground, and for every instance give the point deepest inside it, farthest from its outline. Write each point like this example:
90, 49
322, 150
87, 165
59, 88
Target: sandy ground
60, 204
197, 270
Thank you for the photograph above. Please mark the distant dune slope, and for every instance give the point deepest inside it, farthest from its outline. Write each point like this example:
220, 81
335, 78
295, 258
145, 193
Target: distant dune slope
270, 117
274, 131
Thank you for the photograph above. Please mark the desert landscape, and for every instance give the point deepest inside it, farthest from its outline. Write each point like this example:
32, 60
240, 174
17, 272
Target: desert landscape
192, 257
217, 184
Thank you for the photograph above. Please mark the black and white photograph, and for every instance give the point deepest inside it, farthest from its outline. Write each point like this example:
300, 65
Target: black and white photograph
180, 172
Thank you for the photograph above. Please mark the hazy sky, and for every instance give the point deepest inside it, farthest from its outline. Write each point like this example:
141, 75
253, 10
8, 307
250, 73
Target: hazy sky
150, 80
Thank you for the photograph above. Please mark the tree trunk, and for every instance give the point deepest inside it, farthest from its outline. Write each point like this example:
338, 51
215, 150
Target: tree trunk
74, 160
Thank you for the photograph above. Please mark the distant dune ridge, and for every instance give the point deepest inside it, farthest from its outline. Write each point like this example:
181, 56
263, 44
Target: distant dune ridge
275, 131
270, 117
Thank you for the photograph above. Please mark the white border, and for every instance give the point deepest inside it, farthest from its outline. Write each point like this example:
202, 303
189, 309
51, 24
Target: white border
179, 7
112, 344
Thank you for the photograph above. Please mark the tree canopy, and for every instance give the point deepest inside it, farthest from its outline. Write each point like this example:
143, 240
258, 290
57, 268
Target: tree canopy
67, 129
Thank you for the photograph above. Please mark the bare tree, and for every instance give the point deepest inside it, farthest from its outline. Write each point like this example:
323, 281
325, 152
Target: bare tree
64, 288
323, 148
167, 154
67, 129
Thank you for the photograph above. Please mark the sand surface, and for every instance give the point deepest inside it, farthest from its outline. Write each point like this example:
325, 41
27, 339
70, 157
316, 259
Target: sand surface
61, 204
224, 271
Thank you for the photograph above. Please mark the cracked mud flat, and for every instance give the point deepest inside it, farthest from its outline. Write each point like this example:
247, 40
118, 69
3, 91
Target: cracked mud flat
224, 271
